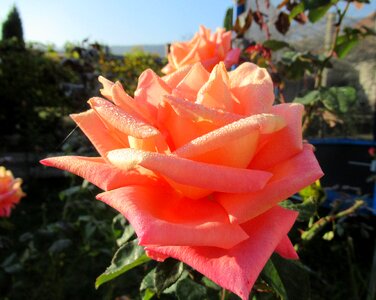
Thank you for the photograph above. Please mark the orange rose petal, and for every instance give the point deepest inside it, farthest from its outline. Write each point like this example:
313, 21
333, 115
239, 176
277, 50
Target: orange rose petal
198, 112
232, 57
286, 249
173, 79
236, 269
238, 140
129, 105
190, 57
150, 90
117, 118
274, 148
195, 174
204, 47
102, 174
184, 120
107, 86
192, 82
289, 177
224, 39
161, 217
215, 92
178, 51
97, 132
153, 144
253, 87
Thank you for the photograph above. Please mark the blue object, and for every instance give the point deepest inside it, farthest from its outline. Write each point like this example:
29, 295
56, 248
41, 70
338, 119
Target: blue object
240, 8
348, 165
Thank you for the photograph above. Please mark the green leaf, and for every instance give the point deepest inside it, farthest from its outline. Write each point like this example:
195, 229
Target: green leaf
127, 257
167, 273
210, 284
342, 49
227, 22
275, 44
148, 281
187, 289
270, 275
346, 97
289, 277
317, 13
338, 99
328, 236
59, 246
297, 10
308, 99
148, 294
306, 209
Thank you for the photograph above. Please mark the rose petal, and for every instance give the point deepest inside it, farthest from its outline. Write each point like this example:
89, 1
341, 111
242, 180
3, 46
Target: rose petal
288, 177
253, 88
192, 82
173, 79
191, 173
235, 143
215, 92
150, 90
102, 174
161, 217
129, 105
117, 118
184, 120
236, 269
107, 86
281, 145
190, 57
232, 57
286, 249
97, 132
223, 38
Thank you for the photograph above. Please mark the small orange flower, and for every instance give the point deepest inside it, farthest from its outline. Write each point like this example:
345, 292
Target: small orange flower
204, 47
10, 191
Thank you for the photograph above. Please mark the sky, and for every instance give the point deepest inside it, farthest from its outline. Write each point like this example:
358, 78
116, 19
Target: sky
122, 22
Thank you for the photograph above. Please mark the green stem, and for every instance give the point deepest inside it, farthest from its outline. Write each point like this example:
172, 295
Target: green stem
223, 294
309, 234
341, 16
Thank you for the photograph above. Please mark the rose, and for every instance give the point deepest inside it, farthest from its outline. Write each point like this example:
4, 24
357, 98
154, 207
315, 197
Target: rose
10, 191
198, 163
204, 47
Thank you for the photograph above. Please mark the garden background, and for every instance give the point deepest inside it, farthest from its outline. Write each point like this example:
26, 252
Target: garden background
59, 239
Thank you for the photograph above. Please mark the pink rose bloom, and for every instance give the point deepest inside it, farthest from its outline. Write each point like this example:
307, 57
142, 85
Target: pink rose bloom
10, 191
207, 48
198, 162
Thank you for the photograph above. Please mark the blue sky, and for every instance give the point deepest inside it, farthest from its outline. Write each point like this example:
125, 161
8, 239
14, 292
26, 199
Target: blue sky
121, 22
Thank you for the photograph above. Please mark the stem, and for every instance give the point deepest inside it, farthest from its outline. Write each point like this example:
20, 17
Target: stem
223, 294
309, 234
341, 16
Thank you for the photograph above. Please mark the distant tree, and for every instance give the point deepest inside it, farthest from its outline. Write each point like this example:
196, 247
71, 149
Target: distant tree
12, 26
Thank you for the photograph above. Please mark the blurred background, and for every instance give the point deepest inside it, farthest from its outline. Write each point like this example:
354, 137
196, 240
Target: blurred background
59, 238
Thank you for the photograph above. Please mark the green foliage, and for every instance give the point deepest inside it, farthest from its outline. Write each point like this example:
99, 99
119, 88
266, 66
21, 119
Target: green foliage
31, 97
56, 248
350, 38
275, 45
12, 27
187, 289
227, 22
166, 274
287, 278
312, 196
129, 68
127, 257
335, 99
